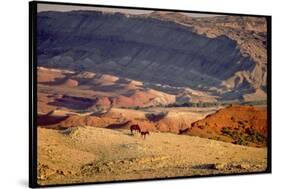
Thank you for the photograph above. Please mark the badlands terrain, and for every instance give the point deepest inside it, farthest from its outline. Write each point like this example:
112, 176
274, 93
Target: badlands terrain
197, 85
84, 133
225, 56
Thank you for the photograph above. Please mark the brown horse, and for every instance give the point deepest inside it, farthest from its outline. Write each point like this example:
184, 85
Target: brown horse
135, 128
144, 133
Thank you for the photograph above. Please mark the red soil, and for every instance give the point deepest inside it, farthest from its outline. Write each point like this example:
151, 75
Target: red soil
233, 123
234, 116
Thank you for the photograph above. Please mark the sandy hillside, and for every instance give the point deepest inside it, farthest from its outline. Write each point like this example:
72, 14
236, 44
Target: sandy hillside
246, 125
118, 118
89, 154
86, 90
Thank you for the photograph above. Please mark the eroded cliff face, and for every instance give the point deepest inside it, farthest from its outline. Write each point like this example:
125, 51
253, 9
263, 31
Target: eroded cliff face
149, 49
250, 35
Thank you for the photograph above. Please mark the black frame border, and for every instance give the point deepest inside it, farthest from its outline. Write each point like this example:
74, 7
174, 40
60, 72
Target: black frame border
33, 92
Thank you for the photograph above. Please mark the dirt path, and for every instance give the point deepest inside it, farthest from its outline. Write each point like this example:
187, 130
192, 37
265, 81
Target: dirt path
88, 154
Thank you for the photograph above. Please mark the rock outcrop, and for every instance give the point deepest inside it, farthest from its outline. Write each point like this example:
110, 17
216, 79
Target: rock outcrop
152, 50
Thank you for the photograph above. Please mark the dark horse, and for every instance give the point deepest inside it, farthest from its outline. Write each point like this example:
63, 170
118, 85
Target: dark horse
143, 133
135, 128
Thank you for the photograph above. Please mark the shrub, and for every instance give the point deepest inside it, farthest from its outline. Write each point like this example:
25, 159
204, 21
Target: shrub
226, 131
154, 117
240, 141
254, 136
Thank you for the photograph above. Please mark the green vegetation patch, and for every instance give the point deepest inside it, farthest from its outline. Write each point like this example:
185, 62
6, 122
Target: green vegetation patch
244, 136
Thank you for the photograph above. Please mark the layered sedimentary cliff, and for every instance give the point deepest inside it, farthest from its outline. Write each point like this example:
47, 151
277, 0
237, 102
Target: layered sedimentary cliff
154, 49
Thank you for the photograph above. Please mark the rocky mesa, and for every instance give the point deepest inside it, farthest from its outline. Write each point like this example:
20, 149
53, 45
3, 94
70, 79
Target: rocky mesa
223, 57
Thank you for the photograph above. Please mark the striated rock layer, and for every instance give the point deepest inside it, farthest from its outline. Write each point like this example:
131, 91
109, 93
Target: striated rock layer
154, 50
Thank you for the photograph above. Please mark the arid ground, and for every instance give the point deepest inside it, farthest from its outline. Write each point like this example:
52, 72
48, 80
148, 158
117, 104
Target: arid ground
84, 135
89, 154
197, 85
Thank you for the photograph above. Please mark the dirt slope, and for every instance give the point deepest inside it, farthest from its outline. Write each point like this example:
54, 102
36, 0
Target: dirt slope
88, 154
116, 118
82, 91
245, 125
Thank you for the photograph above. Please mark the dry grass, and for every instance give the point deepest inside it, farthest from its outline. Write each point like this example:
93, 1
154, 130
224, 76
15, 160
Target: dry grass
88, 154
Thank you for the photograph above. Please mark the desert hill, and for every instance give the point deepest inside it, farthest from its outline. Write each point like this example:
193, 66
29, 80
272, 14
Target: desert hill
152, 119
71, 98
244, 125
89, 154
88, 90
237, 124
224, 57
